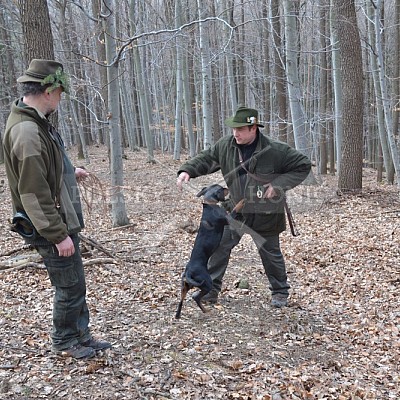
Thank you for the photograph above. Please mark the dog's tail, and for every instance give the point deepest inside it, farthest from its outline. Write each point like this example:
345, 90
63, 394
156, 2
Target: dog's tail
184, 290
179, 310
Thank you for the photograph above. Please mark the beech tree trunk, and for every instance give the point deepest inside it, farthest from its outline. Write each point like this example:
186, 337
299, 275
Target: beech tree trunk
294, 87
118, 210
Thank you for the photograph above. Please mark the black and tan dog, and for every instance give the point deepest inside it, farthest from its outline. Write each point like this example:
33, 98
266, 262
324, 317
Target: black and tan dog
212, 224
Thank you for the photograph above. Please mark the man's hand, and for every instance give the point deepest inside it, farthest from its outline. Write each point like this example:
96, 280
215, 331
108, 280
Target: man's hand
80, 174
270, 192
66, 248
182, 178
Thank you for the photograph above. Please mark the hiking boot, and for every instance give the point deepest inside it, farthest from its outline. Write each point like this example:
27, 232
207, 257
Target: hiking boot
279, 300
76, 351
211, 297
96, 344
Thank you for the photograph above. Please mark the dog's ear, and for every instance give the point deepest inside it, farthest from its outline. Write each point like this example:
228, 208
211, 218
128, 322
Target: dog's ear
221, 193
213, 193
202, 191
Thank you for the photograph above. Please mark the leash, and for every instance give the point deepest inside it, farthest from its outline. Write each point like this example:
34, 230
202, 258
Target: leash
292, 224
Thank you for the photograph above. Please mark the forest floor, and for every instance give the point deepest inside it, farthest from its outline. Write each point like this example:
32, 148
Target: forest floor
338, 339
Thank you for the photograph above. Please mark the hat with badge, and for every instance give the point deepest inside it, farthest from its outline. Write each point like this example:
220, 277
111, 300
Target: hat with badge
244, 117
46, 72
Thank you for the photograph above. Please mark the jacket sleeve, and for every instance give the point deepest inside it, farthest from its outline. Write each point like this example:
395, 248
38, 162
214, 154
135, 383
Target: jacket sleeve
204, 163
295, 168
30, 161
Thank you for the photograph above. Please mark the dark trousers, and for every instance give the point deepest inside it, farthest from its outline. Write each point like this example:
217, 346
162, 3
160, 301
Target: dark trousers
70, 311
268, 248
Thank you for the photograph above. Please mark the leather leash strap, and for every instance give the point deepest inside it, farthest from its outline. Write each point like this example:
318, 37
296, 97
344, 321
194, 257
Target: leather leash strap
292, 224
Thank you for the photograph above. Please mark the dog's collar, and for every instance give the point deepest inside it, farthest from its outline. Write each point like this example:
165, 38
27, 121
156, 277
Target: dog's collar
210, 202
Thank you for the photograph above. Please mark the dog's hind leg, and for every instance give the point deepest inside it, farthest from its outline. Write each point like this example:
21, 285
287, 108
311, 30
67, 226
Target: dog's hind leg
197, 298
184, 290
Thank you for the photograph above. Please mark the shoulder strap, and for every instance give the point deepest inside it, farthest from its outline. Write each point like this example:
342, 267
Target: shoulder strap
254, 176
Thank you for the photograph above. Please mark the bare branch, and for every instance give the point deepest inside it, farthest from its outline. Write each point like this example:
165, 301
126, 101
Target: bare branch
162, 31
79, 5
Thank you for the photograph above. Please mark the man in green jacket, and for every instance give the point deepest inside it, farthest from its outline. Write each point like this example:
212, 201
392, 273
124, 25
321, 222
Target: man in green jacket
260, 171
45, 197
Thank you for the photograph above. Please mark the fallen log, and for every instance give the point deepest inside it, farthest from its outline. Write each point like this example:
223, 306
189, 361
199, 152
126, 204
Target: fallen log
91, 242
22, 261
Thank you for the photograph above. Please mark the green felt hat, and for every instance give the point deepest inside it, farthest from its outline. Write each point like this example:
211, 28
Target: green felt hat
46, 72
244, 117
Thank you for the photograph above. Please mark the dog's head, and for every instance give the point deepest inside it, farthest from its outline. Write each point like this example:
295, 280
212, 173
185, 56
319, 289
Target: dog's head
213, 194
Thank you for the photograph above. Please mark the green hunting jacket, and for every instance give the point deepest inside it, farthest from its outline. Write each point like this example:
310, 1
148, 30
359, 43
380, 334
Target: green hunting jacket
35, 163
272, 161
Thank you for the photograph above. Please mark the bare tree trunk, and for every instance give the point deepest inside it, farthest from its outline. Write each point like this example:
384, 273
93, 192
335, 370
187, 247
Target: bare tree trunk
294, 86
337, 86
127, 108
205, 79
80, 139
36, 27
323, 96
143, 90
240, 70
385, 93
188, 107
8, 86
350, 174
101, 56
232, 103
179, 84
215, 78
279, 72
215, 104
38, 36
78, 120
266, 71
230, 67
387, 158
396, 73
118, 210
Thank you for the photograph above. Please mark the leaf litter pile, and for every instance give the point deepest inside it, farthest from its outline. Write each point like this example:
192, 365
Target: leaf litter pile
338, 339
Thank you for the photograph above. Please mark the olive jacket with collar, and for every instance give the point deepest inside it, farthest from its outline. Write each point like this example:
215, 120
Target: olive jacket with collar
272, 161
36, 170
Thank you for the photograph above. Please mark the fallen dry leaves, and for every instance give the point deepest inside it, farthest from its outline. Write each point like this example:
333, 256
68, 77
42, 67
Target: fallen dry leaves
339, 339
